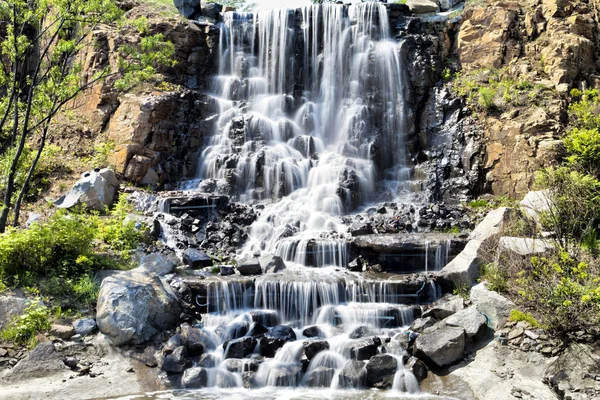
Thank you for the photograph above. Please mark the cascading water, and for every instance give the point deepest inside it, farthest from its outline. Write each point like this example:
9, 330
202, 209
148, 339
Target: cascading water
312, 119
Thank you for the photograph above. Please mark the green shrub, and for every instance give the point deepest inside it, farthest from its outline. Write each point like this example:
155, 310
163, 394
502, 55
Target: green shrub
496, 277
479, 203
518, 316
585, 113
583, 144
486, 98
564, 292
23, 328
86, 289
119, 232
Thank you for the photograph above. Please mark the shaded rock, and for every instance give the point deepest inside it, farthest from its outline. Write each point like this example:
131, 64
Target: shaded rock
417, 368
494, 306
95, 191
265, 317
40, 362
132, 308
360, 332
84, 326
249, 267
188, 8
470, 319
211, 10
445, 308
420, 324
63, 332
356, 265
171, 344
271, 263
194, 378
354, 375
194, 340
196, 258
239, 348
208, 360
319, 377
314, 347
365, 348
313, 331
275, 339
381, 370
176, 362
441, 347
169, 381
226, 270
258, 330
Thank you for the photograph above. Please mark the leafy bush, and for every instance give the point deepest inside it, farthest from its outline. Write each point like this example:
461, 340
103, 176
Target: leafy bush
120, 233
518, 316
486, 98
565, 293
583, 144
496, 277
23, 328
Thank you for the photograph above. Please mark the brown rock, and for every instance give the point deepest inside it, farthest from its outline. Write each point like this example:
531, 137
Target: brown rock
62, 331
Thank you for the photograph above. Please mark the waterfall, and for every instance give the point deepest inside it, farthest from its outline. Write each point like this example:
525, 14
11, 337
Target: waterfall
312, 107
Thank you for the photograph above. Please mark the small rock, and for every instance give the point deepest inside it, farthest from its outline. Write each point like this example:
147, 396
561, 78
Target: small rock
63, 332
249, 267
176, 362
84, 326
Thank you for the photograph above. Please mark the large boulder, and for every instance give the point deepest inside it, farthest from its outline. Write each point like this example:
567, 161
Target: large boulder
176, 362
84, 326
470, 319
381, 370
314, 347
441, 347
40, 362
194, 378
422, 6
132, 308
271, 263
188, 8
365, 348
417, 368
275, 339
524, 247
445, 308
446, 5
94, 191
494, 306
157, 264
535, 203
211, 10
239, 348
353, 375
319, 377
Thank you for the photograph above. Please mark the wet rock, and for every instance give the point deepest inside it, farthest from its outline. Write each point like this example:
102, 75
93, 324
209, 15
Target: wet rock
226, 270
275, 339
194, 340
271, 263
356, 265
171, 344
494, 306
169, 381
84, 326
266, 318
354, 375
250, 380
417, 368
207, 360
62, 331
285, 375
196, 258
211, 10
360, 332
421, 324
258, 330
471, 320
313, 332
314, 347
239, 348
445, 308
249, 267
441, 347
194, 378
381, 370
188, 8
463, 269
176, 362
95, 190
319, 377
365, 348
40, 362
132, 308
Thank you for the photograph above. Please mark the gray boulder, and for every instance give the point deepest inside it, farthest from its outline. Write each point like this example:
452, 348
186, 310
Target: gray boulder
364, 349
494, 306
194, 378
314, 347
84, 326
445, 308
157, 264
275, 339
421, 324
188, 8
319, 377
491, 225
470, 319
133, 307
422, 6
176, 362
524, 247
196, 258
249, 267
211, 10
441, 347
535, 203
381, 370
353, 375
271, 263
239, 348
417, 368
40, 362
95, 190
10, 307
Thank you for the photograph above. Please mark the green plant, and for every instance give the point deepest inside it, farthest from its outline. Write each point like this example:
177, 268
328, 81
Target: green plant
496, 277
215, 270
119, 232
86, 289
3, 287
461, 289
479, 203
518, 316
486, 98
23, 328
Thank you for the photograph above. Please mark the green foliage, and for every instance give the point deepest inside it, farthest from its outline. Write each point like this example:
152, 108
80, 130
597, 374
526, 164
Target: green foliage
485, 98
479, 203
564, 292
518, 316
23, 328
119, 232
447, 75
583, 144
585, 113
461, 289
102, 152
496, 277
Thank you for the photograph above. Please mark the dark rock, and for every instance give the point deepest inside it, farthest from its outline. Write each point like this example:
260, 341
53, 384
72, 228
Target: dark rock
176, 362
188, 8
258, 330
442, 347
360, 332
226, 270
207, 360
275, 339
249, 267
314, 347
266, 318
417, 368
381, 370
193, 339
170, 381
84, 326
196, 258
445, 308
173, 343
354, 375
313, 331
271, 263
421, 324
195, 378
365, 348
239, 348
71, 362
211, 10
319, 377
